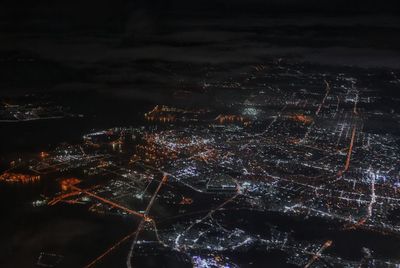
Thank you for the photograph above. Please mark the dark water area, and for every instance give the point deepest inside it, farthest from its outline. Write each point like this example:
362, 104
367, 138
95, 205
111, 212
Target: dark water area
64, 230
348, 244
256, 257
99, 112
153, 256
19, 195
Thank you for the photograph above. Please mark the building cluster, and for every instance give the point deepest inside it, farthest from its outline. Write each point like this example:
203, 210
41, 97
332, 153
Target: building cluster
205, 181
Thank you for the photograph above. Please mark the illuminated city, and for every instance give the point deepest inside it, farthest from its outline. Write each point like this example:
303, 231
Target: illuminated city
190, 180
240, 139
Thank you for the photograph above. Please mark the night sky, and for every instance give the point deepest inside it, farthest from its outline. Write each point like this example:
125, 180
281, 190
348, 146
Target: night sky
74, 43
91, 14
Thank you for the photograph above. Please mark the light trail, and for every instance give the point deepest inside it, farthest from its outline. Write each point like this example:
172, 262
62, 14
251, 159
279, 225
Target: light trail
78, 191
113, 204
156, 232
109, 250
209, 214
349, 152
363, 220
145, 219
340, 135
348, 159
164, 179
309, 129
62, 197
134, 234
337, 105
274, 120
317, 255
355, 105
373, 196
328, 89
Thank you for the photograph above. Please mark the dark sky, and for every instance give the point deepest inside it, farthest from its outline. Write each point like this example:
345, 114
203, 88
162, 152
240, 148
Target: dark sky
22, 14
93, 8
101, 43
293, 5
